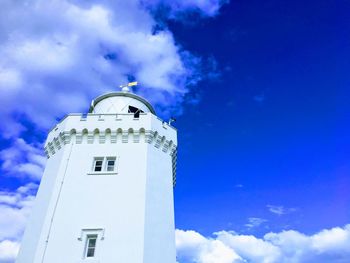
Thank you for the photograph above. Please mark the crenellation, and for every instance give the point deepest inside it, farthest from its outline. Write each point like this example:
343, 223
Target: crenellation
51, 148
90, 137
136, 137
125, 136
166, 145
46, 150
65, 137
158, 141
113, 137
149, 135
78, 138
57, 143
102, 137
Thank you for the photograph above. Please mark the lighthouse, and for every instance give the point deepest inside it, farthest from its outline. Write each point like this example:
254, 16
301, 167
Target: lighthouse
106, 195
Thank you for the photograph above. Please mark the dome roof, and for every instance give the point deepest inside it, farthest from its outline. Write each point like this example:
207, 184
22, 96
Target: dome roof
120, 102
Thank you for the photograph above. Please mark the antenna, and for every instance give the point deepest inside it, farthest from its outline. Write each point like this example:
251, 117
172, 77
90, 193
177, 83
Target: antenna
125, 88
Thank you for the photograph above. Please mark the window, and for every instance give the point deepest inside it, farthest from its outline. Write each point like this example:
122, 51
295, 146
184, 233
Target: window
90, 246
91, 238
110, 164
135, 110
104, 165
98, 164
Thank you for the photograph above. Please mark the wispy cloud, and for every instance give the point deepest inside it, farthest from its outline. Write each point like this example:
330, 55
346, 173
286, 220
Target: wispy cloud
22, 159
176, 8
259, 98
280, 210
255, 222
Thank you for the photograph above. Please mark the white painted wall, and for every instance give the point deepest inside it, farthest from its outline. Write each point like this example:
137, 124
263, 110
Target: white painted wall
133, 205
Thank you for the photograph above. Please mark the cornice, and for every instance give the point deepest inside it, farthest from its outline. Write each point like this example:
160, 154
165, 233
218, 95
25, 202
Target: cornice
109, 136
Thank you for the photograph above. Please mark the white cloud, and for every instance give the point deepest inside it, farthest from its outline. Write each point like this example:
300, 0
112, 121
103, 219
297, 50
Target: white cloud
193, 247
14, 210
250, 248
329, 245
335, 239
23, 160
8, 251
15, 207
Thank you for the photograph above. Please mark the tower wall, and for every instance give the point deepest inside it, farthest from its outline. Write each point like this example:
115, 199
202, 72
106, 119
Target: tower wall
159, 210
130, 208
34, 237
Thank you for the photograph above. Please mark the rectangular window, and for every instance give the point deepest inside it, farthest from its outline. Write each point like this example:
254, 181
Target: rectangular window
90, 246
110, 164
98, 162
104, 165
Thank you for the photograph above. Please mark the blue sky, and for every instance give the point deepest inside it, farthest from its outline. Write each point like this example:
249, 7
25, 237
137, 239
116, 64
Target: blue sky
275, 121
260, 91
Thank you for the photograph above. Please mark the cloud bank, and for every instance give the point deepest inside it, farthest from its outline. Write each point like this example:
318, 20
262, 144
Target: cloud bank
328, 245
22, 159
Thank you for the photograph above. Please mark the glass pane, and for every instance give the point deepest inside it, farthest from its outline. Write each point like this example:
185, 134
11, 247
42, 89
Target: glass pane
111, 163
98, 168
92, 242
90, 252
98, 165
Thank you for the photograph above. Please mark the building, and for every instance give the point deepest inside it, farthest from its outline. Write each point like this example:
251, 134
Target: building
107, 191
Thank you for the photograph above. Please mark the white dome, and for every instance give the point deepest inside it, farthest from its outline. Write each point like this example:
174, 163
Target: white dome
120, 102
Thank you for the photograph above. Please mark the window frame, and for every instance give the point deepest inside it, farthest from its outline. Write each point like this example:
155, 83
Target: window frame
94, 164
85, 233
104, 168
88, 246
110, 159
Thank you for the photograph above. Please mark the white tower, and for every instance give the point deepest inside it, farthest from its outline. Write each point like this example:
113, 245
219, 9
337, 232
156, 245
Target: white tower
106, 195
